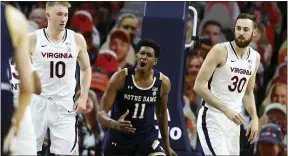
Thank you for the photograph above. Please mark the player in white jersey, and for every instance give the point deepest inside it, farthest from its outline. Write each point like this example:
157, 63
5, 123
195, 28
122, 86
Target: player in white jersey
55, 51
232, 67
24, 143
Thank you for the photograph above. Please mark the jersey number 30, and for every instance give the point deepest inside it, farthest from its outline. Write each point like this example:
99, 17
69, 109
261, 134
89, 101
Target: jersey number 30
135, 114
237, 84
57, 66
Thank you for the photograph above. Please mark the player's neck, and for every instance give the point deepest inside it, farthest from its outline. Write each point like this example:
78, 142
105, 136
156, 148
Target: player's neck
55, 35
143, 75
241, 52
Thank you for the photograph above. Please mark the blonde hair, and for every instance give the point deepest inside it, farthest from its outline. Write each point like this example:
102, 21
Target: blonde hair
61, 3
267, 100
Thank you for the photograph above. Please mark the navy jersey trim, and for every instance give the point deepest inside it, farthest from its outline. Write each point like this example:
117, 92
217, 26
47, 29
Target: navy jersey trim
234, 50
47, 37
248, 54
205, 131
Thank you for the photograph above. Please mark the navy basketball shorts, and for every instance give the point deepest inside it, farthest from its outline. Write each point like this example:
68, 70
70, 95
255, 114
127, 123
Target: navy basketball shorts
138, 146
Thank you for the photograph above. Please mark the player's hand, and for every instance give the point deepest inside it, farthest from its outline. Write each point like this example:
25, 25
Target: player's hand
80, 105
169, 151
234, 116
124, 125
252, 130
8, 139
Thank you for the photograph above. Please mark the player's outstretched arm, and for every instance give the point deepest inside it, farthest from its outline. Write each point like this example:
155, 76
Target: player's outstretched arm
19, 34
214, 58
116, 82
85, 72
249, 104
161, 113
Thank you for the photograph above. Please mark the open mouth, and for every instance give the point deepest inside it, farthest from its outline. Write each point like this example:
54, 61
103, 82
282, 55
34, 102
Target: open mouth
142, 64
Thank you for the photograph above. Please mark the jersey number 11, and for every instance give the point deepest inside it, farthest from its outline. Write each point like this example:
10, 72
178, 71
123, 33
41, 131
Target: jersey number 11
136, 111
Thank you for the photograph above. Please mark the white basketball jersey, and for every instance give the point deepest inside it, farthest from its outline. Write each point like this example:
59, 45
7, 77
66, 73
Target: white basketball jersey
229, 82
56, 64
15, 82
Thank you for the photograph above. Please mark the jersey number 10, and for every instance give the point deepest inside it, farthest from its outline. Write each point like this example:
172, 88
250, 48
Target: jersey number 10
141, 116
58, 65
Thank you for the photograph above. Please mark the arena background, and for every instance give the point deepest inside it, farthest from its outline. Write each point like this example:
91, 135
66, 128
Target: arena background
171, 25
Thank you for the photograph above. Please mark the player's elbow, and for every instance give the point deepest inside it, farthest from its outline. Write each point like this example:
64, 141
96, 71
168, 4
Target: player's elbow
197, 88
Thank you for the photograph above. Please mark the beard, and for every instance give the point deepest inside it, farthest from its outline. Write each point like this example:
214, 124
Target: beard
241, 43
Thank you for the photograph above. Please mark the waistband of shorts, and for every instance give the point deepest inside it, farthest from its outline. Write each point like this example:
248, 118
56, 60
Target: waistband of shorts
68, 98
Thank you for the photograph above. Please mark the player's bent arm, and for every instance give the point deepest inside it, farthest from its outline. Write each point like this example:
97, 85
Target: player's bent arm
116, 82
37, 83
84, 63
19, 34
32, 42
214, 58
161, 110
248, 98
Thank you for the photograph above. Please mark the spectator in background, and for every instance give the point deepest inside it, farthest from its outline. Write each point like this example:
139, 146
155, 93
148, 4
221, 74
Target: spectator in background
269, 142
83, 21
277, 94
99, 82
108, 61
193, 66
38, 16
127, 22
119, 43
282, 54
261, 17
261, 44
90, 132
213, 31
275, 113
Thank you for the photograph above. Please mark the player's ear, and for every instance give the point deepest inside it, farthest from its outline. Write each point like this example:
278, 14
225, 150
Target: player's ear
155, 62
47, 14
254, 32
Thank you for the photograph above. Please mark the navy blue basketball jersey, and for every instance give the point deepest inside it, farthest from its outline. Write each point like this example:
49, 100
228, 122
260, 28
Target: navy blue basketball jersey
139, 101
7, 49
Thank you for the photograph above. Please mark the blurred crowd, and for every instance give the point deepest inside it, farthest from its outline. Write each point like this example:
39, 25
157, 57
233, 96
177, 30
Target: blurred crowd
112, 29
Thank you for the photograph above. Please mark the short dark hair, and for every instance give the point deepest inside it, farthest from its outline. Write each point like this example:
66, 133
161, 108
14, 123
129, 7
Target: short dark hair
212, 22
248, 16
149, 43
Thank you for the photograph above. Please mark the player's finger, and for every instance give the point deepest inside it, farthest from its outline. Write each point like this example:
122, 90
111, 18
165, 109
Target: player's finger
235, 120
125, 125
130, 129
251, 136
124, 115
242, 118
125, 121
247, 131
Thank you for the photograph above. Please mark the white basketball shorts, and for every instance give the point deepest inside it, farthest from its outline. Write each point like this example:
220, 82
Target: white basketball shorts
218, 135
59, 117
25, 141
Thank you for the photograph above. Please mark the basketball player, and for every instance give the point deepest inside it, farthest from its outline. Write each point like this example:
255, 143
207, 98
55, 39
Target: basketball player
25, 141
132, 93
55, 51
14, 44
232, 67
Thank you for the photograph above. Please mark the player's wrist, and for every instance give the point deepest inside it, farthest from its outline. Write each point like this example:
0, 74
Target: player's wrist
114, 124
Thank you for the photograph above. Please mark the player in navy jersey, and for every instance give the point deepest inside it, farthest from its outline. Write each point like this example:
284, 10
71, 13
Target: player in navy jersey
14, 32
134, 94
